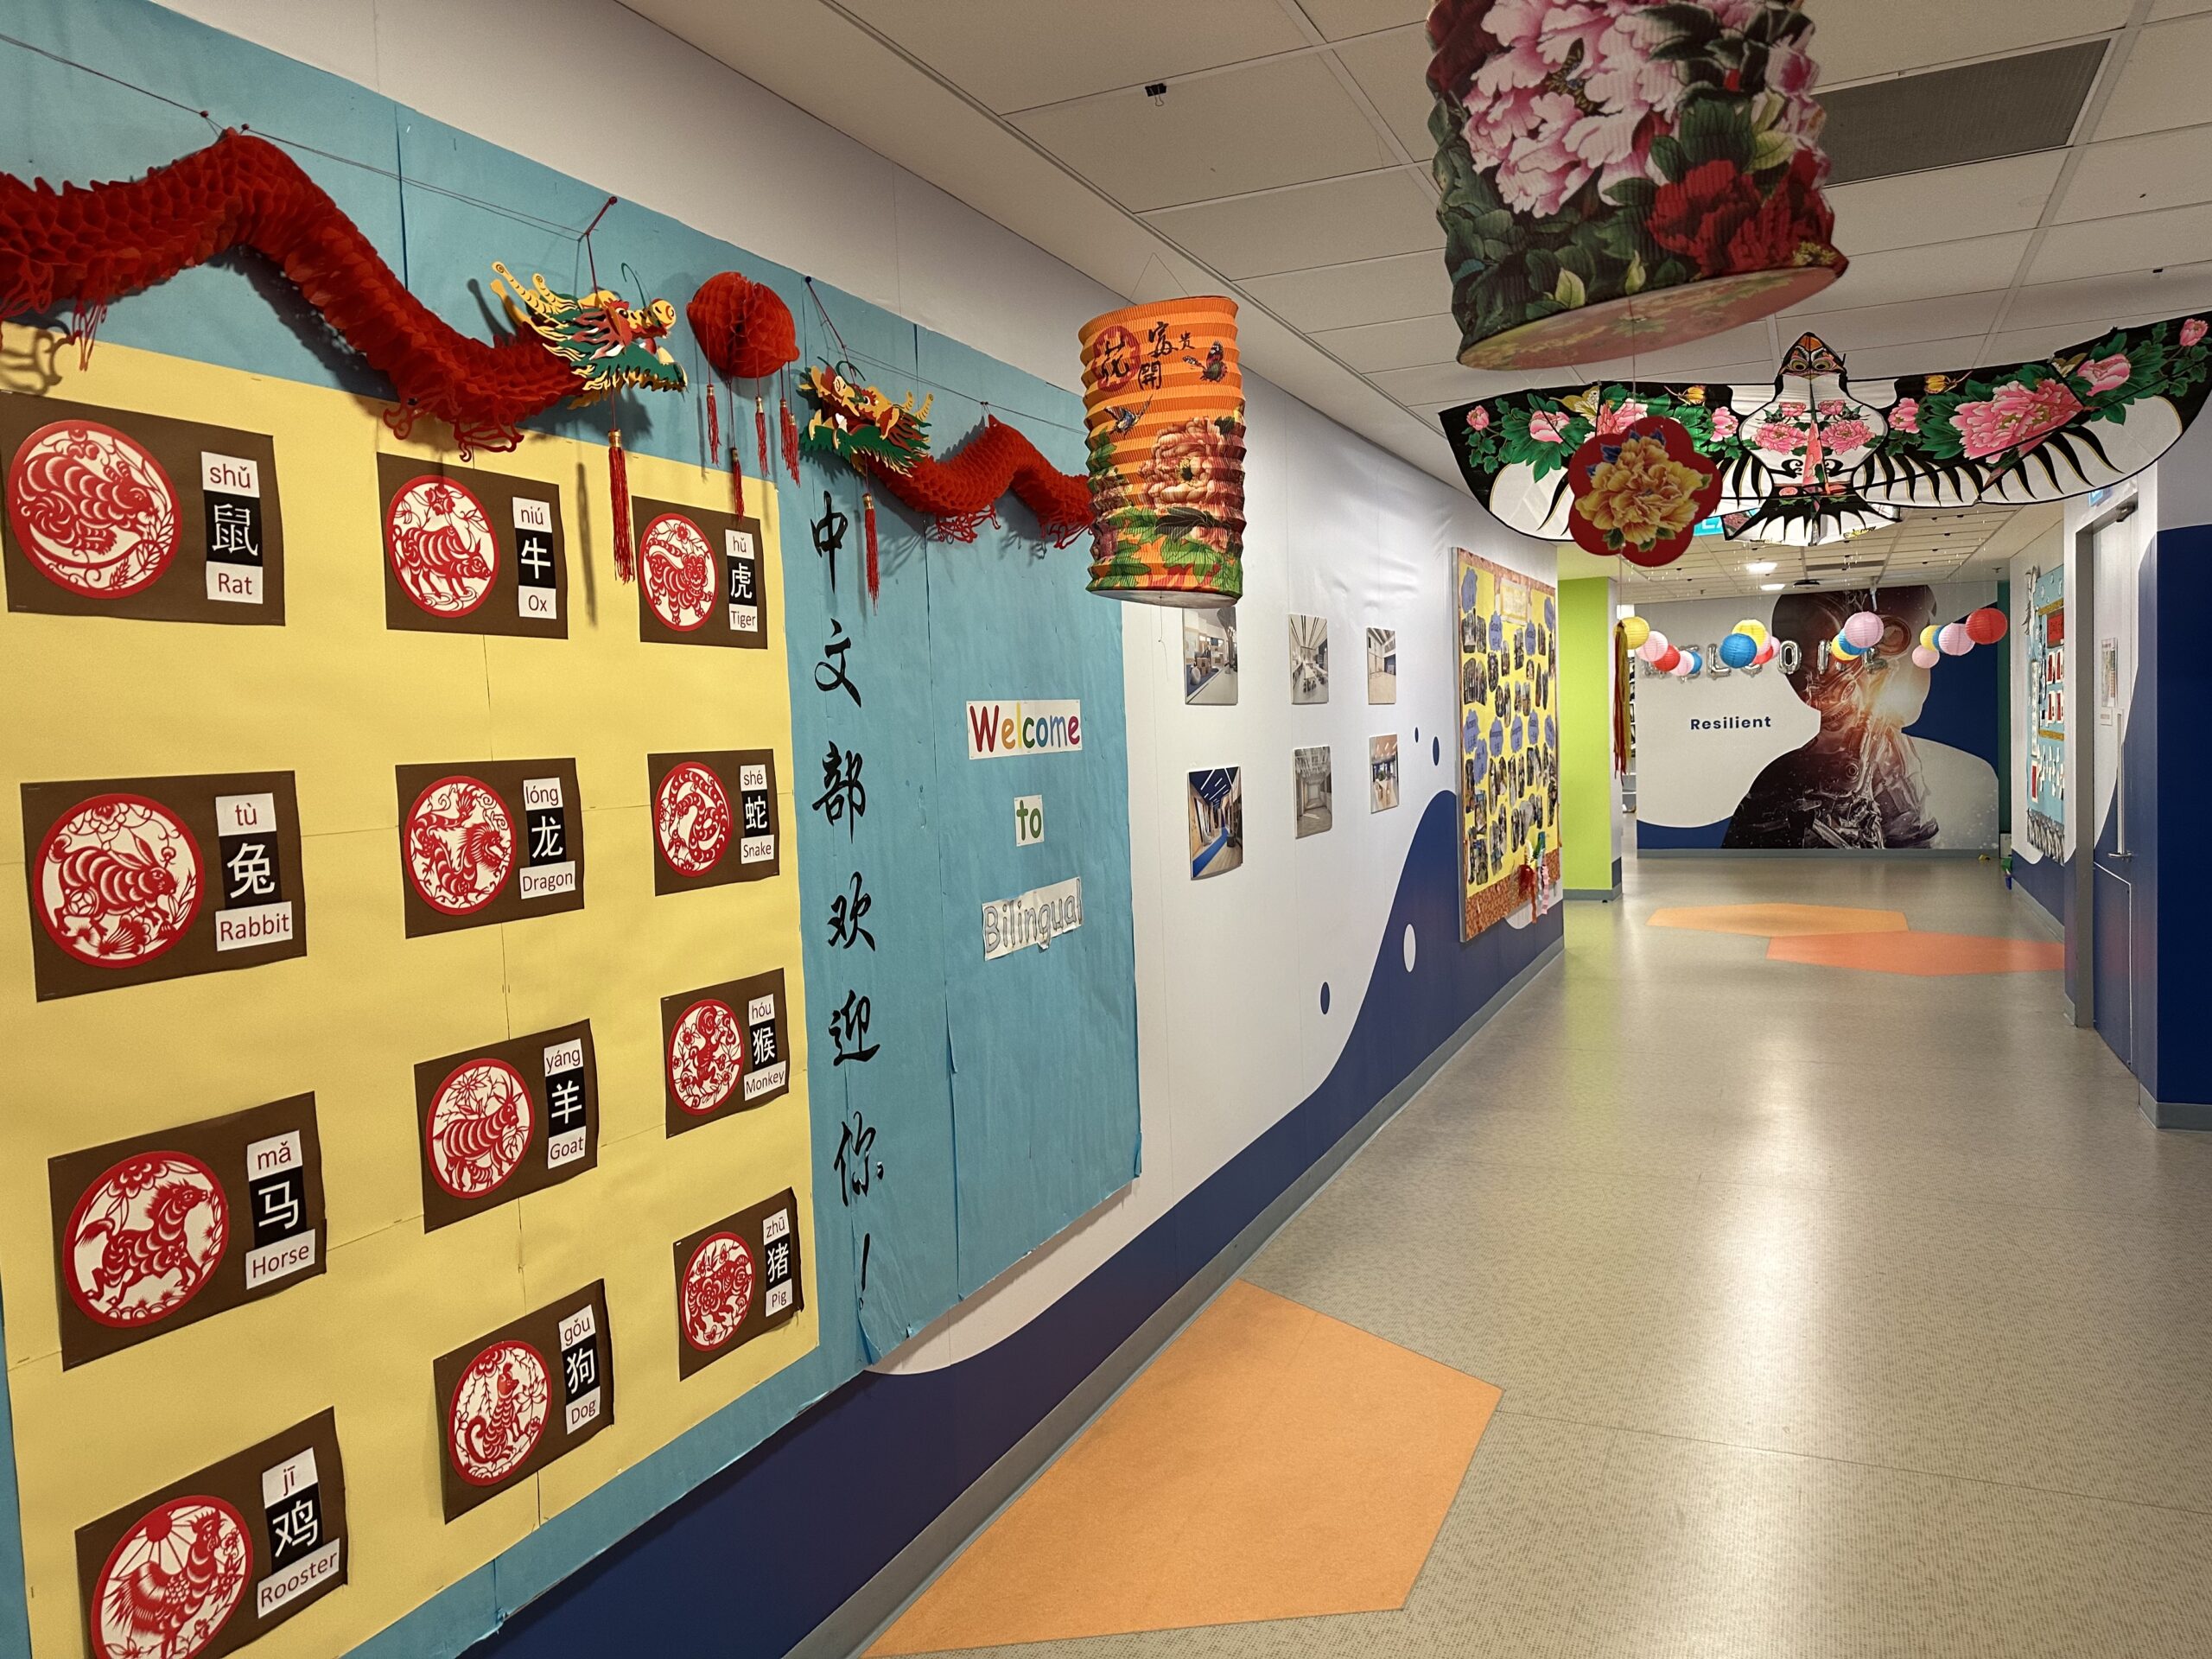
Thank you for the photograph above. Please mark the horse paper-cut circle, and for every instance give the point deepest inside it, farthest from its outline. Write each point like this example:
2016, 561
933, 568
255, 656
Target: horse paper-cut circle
692, 819
479, 1126
144, 1239
172, 1582
118, 880
442, 547
91, 509
706, 1055
678, 569
718, 1284
460, 845
499, 1411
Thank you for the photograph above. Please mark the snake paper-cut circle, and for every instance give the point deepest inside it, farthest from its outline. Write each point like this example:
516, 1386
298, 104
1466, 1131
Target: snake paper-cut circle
441, 544
91, 509
678, 569
144, 1239
718, 1284
460, 845
499, 1411
706, 1055
172, 1581
117, 880
479, 1126
692, 819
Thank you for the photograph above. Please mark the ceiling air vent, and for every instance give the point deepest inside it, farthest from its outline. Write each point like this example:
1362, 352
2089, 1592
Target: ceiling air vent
2007, 106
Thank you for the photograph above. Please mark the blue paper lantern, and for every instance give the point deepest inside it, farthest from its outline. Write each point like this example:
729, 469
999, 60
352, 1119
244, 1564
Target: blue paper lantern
1736, 650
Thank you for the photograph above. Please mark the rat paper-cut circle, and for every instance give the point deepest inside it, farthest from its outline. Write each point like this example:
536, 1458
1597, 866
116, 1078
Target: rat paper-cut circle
93, 510
442, 546
706, 1055
460, 845
478, 1128
499, 1411
144, 1238
718, 1284
691, 817
172, 1582
118, 880
678, 569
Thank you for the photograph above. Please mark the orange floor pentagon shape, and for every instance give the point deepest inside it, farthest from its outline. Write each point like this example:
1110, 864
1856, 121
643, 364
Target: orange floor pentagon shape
1780, 921
1928, 955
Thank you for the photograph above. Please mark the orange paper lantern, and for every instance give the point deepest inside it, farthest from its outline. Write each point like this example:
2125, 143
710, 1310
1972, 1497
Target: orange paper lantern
1163, 395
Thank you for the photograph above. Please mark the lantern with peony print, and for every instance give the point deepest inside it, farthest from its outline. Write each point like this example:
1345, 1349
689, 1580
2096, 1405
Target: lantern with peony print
1624, 175
1163, 406
1641, 491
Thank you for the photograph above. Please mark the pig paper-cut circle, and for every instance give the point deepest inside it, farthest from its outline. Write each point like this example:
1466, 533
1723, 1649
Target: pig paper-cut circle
442, 547
460, 845
718, 1283
678, 569
692, 819
172, 1581
499, 1412
145, 1238
117, 880
706, 1055
479, 1126
91, 509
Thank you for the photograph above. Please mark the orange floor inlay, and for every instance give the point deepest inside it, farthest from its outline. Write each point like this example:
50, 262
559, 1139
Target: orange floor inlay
1780, 921
1926, 954
1273, 1463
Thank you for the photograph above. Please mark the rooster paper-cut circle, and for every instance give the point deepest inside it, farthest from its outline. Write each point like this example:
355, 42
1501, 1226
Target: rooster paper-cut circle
460, 845
172, 1582
499, 1411
93, 510
440, 541
118, 880
706, 1055
145, 1238
692, 819
479, 1128
678, 569
718, 1284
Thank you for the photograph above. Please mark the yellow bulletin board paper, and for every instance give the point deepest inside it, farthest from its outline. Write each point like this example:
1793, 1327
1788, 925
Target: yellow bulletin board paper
339, 699
1508, 652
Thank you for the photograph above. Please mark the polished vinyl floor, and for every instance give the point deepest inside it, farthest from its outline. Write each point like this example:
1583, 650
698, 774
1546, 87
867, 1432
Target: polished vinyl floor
1831, 1310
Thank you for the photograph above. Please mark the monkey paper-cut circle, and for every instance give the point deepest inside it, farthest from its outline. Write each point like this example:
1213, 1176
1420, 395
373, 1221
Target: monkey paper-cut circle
718, 1284
691, 817
92, 510
144, 1238
480, 1128
442, 547
706, 1055
678, 569
460, 845
499, 1411
117, 880
172, 1582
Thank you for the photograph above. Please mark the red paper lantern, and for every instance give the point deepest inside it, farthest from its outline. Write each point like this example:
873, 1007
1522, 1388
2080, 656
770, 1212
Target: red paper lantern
1986, 625
1669, 659
1641, 490
743, 327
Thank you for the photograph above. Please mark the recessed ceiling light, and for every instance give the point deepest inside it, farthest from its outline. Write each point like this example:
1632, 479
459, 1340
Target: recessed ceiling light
1760, 568
1771, 587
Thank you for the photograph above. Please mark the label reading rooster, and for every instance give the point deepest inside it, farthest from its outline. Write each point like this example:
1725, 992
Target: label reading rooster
466, 551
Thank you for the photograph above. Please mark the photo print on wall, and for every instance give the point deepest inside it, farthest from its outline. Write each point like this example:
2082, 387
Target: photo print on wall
1216, 822
1309, 659
1210, 656
1383, 773
1315, 789
1381, 665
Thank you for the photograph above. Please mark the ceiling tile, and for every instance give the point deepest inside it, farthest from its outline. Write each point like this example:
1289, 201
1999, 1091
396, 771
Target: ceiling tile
1920, 273
2166, 8
2139, 174
1439, 385
1014, 54
1700, 359
1859, 40
1339, 18
2095, 303
1405, 345
1323, 224
1392, 69
1949, 204
1275, 124
2162, 84
2179, 236
1866, 327
1368, 290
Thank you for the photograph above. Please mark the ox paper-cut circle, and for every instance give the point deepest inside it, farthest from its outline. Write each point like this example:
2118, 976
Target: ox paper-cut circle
706, 1055
499, 1411
678, 569
460, 845
692, 819
145, 1238
718, 1284
118, 880
91, 509
173, 1581
443, 549
480, 1125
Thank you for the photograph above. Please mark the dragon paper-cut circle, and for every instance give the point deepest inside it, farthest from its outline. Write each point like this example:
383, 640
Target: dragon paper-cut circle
499, 1411
679, 570
441, 544
692, 819
706, 1055
479, 1126
718, 1284
145, 1238
117, 880
172, 1582
91, 509
460, 845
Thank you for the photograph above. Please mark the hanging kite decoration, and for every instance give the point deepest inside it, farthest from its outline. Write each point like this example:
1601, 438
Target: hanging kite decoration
1618, 175
1641, 491
1812, 458
746, 333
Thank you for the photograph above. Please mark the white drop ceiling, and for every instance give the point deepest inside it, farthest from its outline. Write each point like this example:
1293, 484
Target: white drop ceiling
1288, 164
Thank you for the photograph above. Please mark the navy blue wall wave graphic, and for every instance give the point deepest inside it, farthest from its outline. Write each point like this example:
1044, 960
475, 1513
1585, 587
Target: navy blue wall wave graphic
752, 1560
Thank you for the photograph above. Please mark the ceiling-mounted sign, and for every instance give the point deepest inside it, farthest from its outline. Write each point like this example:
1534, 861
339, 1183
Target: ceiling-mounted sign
492, 842
699, 576
725, 1048
736, 1280
533, 1390
469, 552
506, 1119
714, 817
997, 730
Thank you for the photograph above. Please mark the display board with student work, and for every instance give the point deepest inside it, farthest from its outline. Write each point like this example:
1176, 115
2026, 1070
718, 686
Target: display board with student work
1508, 632
2046, 746
494, 1039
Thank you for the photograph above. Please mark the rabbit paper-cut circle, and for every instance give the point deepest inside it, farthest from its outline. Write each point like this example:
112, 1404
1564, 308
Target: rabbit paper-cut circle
118, 880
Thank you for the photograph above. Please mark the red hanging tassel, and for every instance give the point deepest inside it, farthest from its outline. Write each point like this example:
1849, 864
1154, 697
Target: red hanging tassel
617, 497
714, 423
867, 523
791, 441
737, 480
760, 431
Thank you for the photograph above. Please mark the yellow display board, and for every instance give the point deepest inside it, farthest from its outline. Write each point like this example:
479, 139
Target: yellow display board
1509, 746
339, 699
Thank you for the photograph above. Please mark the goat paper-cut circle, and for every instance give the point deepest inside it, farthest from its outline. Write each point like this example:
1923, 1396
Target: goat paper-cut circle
706, 1055
145, 1238
442, 546
172, 1582
718, 1284
93, 510
692, 819
678, 569
499, 1412
118, 880
460, 845
480, 1128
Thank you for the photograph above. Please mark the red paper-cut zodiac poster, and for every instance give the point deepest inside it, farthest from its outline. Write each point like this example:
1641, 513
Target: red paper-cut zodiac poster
533, 1390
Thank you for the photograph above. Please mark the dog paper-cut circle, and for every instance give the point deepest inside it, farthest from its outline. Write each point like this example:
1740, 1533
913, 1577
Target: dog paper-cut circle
499, 1411
172, 1582
706, 1055
91, 509
678, 569
118, 880
460, 845
718, 1284
692, 819
479, 1126
441, 544
144, 1238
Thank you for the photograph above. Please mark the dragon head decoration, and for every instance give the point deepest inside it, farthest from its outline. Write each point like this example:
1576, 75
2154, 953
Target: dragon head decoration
858, 424
608, 343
